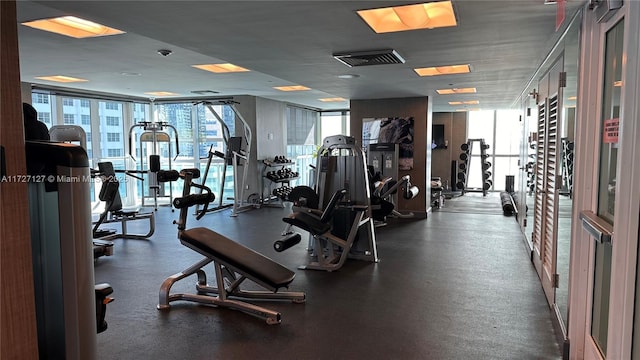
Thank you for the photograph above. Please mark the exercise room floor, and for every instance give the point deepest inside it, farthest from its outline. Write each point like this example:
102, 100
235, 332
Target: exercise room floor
452, 286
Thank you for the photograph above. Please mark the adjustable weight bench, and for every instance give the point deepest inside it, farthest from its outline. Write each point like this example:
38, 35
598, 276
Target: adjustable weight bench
233, 264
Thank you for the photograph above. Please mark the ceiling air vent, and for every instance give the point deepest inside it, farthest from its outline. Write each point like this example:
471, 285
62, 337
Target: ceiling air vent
365, 58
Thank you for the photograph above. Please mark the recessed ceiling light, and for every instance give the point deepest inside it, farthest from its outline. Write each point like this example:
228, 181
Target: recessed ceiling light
291, 88
469, 102
160, 93
221, 68
334, 99
73, 26
348, 76
410, 17
443, 70
572, 98
456, 91
124, 73
61, 78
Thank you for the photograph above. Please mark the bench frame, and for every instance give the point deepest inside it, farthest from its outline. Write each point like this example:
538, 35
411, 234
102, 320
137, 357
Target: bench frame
227, 292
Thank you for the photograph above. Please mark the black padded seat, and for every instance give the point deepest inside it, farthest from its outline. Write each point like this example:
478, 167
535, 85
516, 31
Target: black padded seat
245, 260
307, 222
125, 213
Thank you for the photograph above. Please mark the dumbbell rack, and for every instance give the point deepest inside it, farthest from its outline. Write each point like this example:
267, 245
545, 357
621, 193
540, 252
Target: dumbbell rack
465, 165
279, 176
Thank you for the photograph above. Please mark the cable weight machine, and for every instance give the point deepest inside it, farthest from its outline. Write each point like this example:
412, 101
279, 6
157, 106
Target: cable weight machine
152, 138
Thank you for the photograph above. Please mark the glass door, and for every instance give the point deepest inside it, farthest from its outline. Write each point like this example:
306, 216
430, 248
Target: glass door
601, 223
567, 155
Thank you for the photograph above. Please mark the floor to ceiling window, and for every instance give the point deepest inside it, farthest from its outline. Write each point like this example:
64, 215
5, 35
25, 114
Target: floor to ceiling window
500, 129
112, 126
334, 123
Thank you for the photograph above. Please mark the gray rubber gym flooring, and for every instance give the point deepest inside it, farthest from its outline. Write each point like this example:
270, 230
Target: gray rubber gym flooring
453, 286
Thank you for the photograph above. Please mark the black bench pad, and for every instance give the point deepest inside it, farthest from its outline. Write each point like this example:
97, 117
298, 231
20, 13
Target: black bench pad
245, 260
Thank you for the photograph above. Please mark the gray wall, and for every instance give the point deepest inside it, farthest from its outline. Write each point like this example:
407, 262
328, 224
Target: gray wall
420, 109
266, 118
247, 108
271, 130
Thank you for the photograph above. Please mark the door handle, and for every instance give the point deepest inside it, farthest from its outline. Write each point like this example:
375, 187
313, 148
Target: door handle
601, 230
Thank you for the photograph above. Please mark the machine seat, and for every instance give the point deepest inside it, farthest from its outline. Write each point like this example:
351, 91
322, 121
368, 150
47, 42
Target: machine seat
316, 224
308, 222
130, 212
237, 256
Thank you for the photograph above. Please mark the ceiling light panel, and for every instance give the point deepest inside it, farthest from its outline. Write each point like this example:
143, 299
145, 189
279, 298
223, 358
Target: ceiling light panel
429, 15
221, 68
73, 26
443, 70
336, 99
291, 88
61, 78
469, 102
456, 91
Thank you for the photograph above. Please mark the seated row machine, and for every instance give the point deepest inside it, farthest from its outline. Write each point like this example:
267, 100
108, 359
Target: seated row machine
233, 264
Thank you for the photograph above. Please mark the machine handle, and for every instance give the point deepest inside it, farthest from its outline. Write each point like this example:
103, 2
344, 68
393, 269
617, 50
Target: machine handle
601, 230
131, 140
